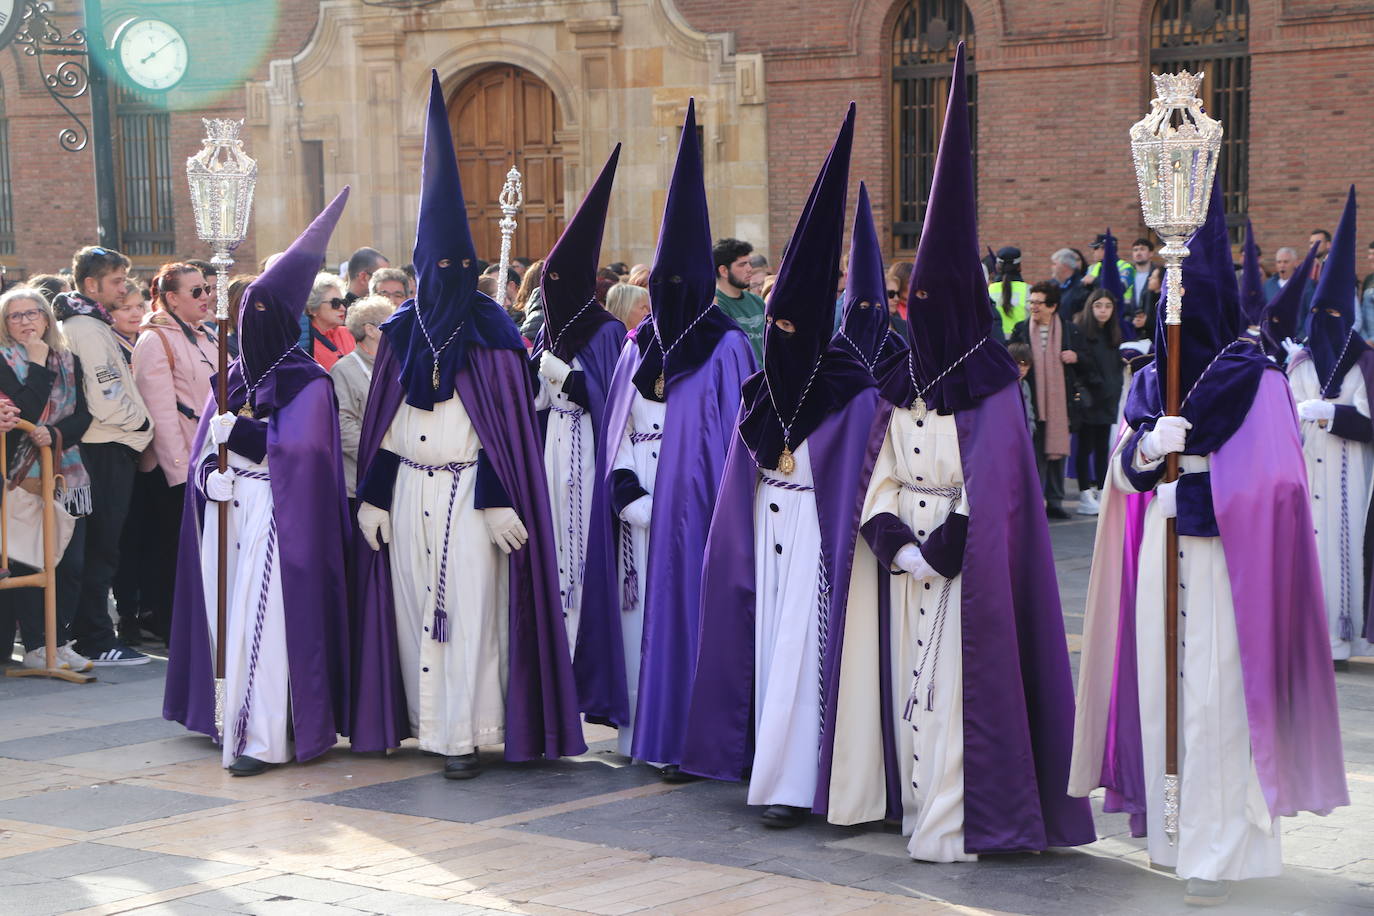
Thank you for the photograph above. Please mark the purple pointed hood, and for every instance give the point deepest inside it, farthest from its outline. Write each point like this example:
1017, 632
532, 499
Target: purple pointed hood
568, 284
1251, 280
863, 330
1331, 337
953, 361
1282, 313
1211, 303
448, 314
784, 403
270, 318
682, 282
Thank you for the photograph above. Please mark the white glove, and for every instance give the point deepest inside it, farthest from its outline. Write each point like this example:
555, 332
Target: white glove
1291, 347
221, 425
219, 486
910, 560
505, 528
1316, 410
553, 368
375, 525
1167, 437
1166, 494
639, 512
1141, 347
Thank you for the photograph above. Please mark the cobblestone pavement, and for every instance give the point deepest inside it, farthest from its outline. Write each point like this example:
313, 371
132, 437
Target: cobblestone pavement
106, 808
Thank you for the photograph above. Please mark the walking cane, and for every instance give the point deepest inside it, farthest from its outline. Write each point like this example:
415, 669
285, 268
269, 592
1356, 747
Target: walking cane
1175, 150
222, 178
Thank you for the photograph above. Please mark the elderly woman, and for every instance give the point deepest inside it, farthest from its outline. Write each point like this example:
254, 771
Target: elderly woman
43, 379
352, 377
628, 303
174, 358
325, 311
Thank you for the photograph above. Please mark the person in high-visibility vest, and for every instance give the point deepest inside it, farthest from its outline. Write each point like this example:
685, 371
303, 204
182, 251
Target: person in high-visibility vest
1123, 267
1009, 292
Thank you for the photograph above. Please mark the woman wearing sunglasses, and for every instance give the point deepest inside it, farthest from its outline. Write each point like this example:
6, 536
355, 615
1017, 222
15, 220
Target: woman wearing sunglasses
174, 359
326, 310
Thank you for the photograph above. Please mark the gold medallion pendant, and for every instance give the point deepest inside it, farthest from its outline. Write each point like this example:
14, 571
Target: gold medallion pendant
246, 411
920, 408
786, 463
658, 386
436, 375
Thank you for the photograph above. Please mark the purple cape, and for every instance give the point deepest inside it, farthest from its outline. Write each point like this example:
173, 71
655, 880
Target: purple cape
1260, 495
719, 742
698, 424
1018, 690
311, 512
541, 708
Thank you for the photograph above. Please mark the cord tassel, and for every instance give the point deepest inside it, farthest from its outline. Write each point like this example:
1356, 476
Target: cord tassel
440, 629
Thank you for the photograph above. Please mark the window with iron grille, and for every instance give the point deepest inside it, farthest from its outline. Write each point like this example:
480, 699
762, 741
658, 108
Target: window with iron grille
6, 189
1212, 37
924, 40
143, 161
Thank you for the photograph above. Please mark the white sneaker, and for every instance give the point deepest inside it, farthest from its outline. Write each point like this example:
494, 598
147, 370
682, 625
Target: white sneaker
1087, 503
73, 659
38, 658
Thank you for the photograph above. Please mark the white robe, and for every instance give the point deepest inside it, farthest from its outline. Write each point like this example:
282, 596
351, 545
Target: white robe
256, 663
455, 689
1338, 475
638, 452
570, 469
787, 639
1225, 830
921, 452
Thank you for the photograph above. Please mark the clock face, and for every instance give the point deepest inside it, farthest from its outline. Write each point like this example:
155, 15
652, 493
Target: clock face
152, 53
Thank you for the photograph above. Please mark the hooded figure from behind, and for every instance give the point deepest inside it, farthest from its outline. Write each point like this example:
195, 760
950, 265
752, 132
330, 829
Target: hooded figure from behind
963, 736
459, 622
287, 665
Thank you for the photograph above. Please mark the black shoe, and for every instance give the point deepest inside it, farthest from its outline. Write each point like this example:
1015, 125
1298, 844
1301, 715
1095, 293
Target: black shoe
1207, 893
129, 632
118, 655
464, 766
244, 765
672, 773
1341, 664
1056, 512
782, 816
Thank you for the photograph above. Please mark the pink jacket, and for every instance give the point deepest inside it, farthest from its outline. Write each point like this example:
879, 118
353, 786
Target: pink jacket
173, 376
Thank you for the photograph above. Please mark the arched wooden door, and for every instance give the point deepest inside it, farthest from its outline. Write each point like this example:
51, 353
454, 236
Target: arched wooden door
503, 116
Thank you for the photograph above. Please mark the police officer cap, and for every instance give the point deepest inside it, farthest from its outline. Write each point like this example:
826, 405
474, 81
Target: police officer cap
1009, 253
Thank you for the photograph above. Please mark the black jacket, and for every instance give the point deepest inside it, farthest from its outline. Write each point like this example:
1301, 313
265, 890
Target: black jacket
32, 397
1075, 374
1102, 376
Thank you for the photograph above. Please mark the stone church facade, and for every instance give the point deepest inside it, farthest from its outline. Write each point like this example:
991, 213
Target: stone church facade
335, 90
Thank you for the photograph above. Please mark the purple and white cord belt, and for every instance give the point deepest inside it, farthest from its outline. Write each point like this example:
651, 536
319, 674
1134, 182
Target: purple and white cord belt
640, 438
575, 539
930, 656
786, 484
439, 632
630, 584
264, 598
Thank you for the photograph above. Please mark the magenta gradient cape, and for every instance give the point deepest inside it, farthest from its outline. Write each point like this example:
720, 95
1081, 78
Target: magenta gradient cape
308, 503
541, 702
698, 424
1260, 495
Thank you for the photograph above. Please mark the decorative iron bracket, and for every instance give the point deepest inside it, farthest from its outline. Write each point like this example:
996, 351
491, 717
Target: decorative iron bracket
62, 62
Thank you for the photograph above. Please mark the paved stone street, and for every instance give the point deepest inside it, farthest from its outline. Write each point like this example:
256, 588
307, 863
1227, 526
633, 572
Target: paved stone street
106, 808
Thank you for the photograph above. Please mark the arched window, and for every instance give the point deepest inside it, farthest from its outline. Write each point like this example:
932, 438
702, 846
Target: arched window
924, 39
1212, 37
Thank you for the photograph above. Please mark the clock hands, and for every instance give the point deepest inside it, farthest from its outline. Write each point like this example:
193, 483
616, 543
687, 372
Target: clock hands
155, 53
